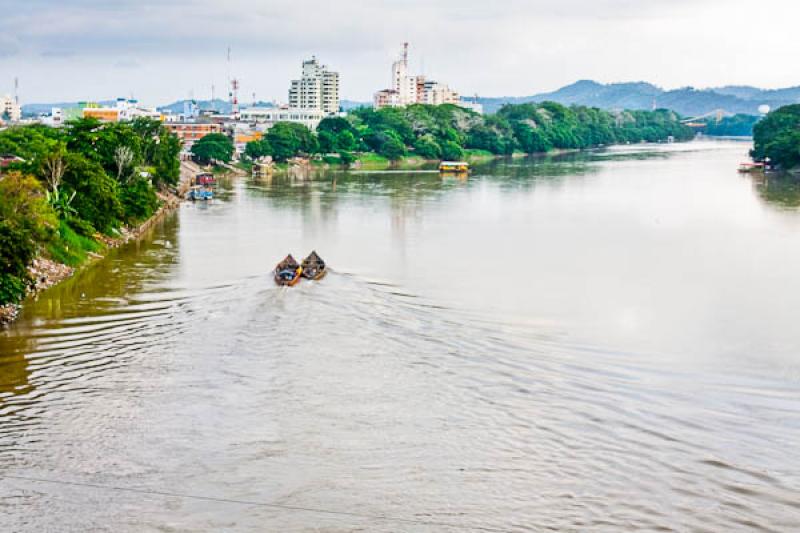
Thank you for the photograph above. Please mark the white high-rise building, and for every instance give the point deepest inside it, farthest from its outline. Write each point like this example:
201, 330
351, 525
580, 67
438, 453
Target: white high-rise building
408, 90
10, 110
317, 89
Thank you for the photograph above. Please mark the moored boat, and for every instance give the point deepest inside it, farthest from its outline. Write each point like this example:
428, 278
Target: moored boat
200, 193
459, 167
313, 267
751, 167
288, 272
205, 179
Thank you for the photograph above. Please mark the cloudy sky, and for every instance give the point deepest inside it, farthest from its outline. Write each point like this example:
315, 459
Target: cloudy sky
162, 50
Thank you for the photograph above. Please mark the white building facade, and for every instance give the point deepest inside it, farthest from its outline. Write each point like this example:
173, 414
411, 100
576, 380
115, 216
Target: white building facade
408, 89
10, 110
316, 90
266, 117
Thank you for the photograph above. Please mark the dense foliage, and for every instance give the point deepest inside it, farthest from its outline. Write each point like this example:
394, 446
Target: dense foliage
735, 126
777, 137
447, 131
73, 182
26, 220
212, 148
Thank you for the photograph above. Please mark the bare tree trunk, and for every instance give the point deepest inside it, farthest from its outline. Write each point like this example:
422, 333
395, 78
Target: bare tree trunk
54, 167
123, 157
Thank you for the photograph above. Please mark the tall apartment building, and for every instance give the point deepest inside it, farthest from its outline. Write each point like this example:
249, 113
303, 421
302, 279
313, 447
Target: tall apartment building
10, 110
317, 89
408, 90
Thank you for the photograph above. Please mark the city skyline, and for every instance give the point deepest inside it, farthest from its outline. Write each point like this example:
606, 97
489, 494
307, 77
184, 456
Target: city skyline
165, 51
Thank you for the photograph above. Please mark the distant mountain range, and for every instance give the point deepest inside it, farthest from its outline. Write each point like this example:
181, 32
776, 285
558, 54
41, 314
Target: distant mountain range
641, 95
687, 101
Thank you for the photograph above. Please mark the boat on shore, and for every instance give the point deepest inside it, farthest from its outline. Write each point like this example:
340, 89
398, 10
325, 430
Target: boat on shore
288, 272
313, 267
205, 179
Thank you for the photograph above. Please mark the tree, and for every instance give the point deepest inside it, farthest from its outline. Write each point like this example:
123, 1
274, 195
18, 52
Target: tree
427, 147
123, 157
257, 149
335, 125
530, 140
327, 141
346, 158
96, 194
138, 199
283, 143
345, 140
150, 132
53, 167
452, 151
777, 136
166, 159
289, 139
392, 148
26, 222
213, 147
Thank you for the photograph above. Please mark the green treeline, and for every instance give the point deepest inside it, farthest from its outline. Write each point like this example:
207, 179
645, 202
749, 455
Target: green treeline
70, 186
735, 126
777, 137
448, 131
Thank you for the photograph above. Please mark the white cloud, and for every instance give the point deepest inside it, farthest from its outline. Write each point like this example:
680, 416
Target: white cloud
492, 48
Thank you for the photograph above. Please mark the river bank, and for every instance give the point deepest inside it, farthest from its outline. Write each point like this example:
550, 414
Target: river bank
46, 272
370, 161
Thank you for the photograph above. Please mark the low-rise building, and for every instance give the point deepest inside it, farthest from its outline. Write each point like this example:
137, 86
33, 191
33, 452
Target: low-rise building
122, 111
189, 132
269, 116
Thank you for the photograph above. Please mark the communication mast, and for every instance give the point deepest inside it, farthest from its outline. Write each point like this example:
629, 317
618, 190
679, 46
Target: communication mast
235, 98
16, 90
233, 93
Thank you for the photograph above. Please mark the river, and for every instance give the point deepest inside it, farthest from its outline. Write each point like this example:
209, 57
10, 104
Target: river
602, 341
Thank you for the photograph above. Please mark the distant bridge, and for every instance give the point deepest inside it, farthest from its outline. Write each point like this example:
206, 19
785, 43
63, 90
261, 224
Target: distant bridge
697, 122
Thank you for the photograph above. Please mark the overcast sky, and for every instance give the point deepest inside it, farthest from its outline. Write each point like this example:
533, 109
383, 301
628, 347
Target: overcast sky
163, 50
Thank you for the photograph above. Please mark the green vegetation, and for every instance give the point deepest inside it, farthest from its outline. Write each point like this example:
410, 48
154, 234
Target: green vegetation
777, 137
735, 126
74, 183
453, 133
213, 147
26, 219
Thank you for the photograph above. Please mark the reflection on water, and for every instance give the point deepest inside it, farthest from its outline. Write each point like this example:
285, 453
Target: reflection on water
783, 190
596, 341
14, 371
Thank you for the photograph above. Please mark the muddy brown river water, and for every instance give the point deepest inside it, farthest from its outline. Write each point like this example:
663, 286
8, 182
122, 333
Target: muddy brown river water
605, 341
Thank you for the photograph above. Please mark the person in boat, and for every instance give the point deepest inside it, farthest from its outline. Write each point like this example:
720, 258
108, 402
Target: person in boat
313, 266
288, 269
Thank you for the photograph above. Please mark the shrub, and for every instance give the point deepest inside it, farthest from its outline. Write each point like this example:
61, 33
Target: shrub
96, 199
70, 247
139, 201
